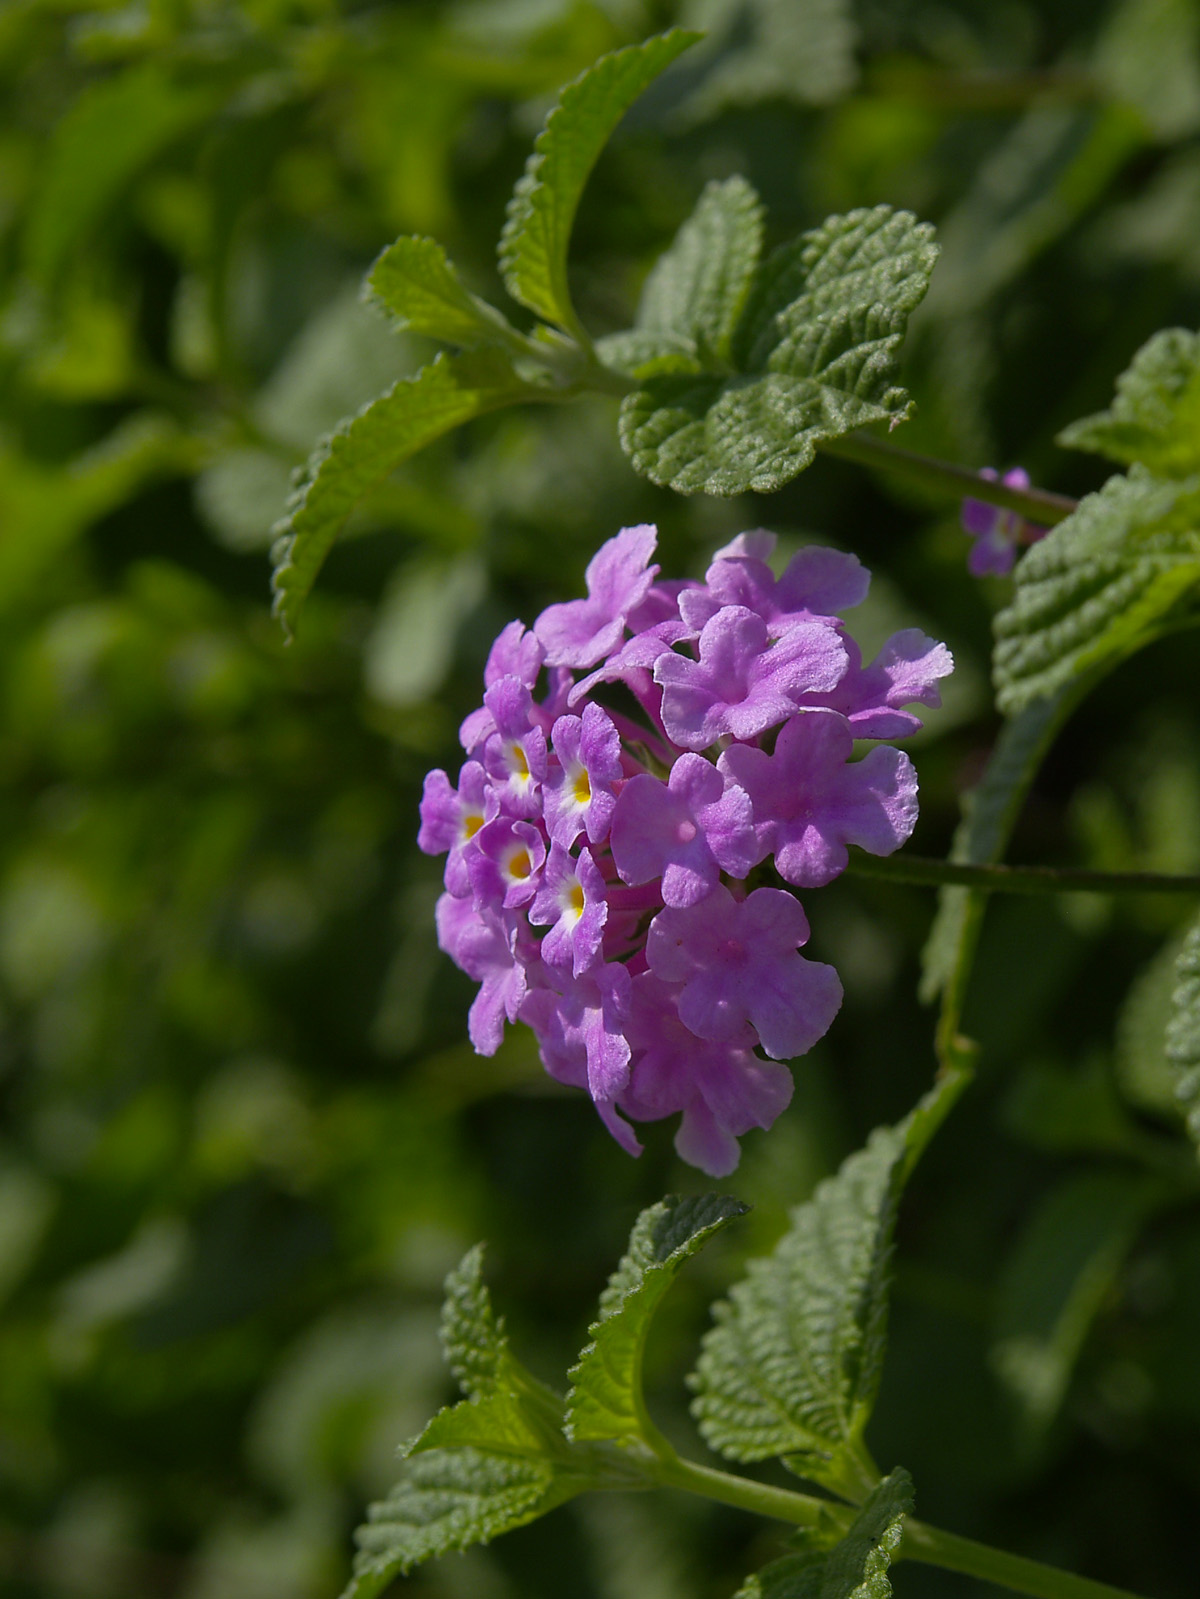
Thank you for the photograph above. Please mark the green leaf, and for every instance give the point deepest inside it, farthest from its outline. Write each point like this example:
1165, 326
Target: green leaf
857, 1568
1155, 418
605, 1400
812, 356
114, 129
792, 1366
983, 835
1052, 1287
473, 1337
449, 1499
415, 282
1183, 1032
537, 230
1097, 585
493, 1462
364, 450
698, 289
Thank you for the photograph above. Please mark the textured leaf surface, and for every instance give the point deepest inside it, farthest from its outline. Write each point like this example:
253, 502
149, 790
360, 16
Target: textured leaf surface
1090, 591
1183, 1032
537, 230
1155, 418
792, 1366
857, 1568
698, 288
450, 1499
481, 1467
473, 1337
606, 1397
415, 282
813, 356
359, 455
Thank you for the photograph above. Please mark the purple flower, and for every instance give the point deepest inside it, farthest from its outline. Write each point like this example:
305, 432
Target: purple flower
873, 698
515, 754
450, 819
997, 532
741, 974
743, 683
581, 1025
810, 801
818, 582
571, 903
685, 831
653, 984
580, 632
484, 946
721, 1089
579, 788
507, 864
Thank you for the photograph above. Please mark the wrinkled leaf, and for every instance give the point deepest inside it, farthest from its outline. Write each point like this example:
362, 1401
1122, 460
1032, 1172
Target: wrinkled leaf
813, 356
857, 1567
361, 454
1095, 587
1155, 417
415, 282
537, 230
606, 1397
792, 1365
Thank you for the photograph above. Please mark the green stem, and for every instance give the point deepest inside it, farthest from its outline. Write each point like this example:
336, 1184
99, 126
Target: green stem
952, 1553
921, 1542
1019, 879
779, 1504
1035, 505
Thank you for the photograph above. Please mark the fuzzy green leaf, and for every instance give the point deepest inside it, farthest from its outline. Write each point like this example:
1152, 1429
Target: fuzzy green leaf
1183, 1032
792, 1366
1097, 585
813, 356
857, 1568
698, 289
449, 1499
473, 1338
606, 1397
537, 229
415, 282
1155, 417
359, 455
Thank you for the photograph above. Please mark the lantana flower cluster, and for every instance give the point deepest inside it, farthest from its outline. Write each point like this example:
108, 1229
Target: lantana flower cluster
638, 754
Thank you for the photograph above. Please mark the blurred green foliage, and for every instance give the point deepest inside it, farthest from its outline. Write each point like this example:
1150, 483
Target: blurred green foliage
243, 1134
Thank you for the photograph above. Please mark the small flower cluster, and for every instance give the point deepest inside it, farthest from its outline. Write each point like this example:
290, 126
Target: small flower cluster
997, 532
637, 754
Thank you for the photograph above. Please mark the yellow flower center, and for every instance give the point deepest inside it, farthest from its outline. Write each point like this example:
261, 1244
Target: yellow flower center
519, 864
575, 900
582, 789
472, 822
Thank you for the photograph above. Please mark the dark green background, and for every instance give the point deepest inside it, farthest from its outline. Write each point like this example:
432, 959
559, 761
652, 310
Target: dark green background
243, 1137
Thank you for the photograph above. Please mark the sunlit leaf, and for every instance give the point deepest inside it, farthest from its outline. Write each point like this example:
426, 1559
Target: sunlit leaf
813, 355
362, 453
606, 1397
537, 231
857, 1567
1098, 584
1155, 418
